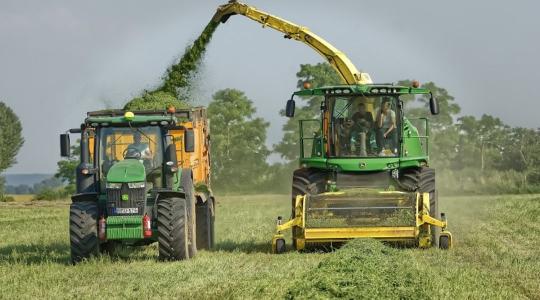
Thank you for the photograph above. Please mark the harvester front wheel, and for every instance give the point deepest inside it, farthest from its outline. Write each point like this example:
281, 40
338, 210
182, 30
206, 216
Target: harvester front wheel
305, 181
172, 229
83, 230
189, 191
426, 184
205, 224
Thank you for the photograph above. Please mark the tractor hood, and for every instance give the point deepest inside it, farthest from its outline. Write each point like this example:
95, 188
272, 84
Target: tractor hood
127, 170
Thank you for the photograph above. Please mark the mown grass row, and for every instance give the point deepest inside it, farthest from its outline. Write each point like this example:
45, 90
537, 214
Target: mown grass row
496, 256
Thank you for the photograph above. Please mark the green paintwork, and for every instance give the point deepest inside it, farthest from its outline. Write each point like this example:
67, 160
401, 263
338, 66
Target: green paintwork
127, 170
124, 227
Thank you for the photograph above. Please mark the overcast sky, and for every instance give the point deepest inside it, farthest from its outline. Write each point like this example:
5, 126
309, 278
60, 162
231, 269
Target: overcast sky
59, 59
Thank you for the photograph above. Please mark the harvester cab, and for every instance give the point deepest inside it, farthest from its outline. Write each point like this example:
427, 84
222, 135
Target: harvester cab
136, 182
364, 171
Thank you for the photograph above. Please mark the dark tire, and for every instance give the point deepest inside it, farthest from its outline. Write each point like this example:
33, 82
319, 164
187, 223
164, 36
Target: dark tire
306, 181
205, 224
189, 191
280, 246
172, 229
83, 230
426, 184
444, 242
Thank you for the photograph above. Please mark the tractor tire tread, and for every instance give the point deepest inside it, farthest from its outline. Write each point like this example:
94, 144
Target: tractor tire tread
84, 242
172, 230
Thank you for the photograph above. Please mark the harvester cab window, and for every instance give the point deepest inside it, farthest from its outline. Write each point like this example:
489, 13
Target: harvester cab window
364, 126
139, 143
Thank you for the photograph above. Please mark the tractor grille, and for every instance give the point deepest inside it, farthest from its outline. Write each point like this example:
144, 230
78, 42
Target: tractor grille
133, 205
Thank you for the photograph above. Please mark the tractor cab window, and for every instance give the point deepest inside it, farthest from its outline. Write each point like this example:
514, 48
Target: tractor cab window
137, 143
363, 126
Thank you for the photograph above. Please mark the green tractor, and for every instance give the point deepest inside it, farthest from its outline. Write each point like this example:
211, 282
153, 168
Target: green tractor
143, 177
364, 171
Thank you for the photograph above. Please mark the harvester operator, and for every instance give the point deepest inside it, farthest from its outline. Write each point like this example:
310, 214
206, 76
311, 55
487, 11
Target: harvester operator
386, 128
361, 130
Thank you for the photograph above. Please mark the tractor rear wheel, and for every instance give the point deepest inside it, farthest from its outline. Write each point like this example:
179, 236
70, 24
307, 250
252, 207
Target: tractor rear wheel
172, 229
205, 224
189, 191
83, 237
305, 181
426, 184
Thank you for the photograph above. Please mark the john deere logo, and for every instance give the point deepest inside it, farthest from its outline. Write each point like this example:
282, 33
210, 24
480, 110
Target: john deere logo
125, 197
362, 165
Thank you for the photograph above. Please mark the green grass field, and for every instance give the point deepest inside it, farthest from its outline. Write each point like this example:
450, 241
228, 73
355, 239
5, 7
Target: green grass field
496, 256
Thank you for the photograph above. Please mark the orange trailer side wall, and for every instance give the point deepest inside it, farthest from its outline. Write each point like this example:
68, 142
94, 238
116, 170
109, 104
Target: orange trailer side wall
198, 161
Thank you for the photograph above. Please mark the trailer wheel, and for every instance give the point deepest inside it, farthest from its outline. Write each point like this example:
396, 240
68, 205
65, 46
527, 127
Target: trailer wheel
205, 224
189, 191
172, 229
83, 237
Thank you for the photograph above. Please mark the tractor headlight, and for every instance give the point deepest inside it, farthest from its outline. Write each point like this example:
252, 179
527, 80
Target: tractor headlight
136, 185
114, 185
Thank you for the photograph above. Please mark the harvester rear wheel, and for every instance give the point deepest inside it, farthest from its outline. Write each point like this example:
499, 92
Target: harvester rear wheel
172, 229
83, 230
205, 224
305, 181
426, 184
189, 191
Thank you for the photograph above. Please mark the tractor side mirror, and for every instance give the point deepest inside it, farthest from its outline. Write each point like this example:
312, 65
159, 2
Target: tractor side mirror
289, 109
189, 140
433, 105
65, 147
171, 165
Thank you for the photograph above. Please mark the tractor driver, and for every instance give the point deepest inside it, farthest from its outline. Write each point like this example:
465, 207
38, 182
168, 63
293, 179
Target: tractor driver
137, 149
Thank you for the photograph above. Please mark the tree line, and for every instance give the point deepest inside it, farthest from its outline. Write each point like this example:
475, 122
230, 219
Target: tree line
471, 154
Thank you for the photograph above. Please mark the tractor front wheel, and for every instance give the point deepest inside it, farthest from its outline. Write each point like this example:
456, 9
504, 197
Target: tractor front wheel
172, 229
83, 237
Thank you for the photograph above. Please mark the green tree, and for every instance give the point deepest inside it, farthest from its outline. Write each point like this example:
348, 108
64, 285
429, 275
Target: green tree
319, 75
11, 139
448, 108
67, 167
238, 152
480, 139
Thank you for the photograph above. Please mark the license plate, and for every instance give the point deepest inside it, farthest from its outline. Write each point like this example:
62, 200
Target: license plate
129, 210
